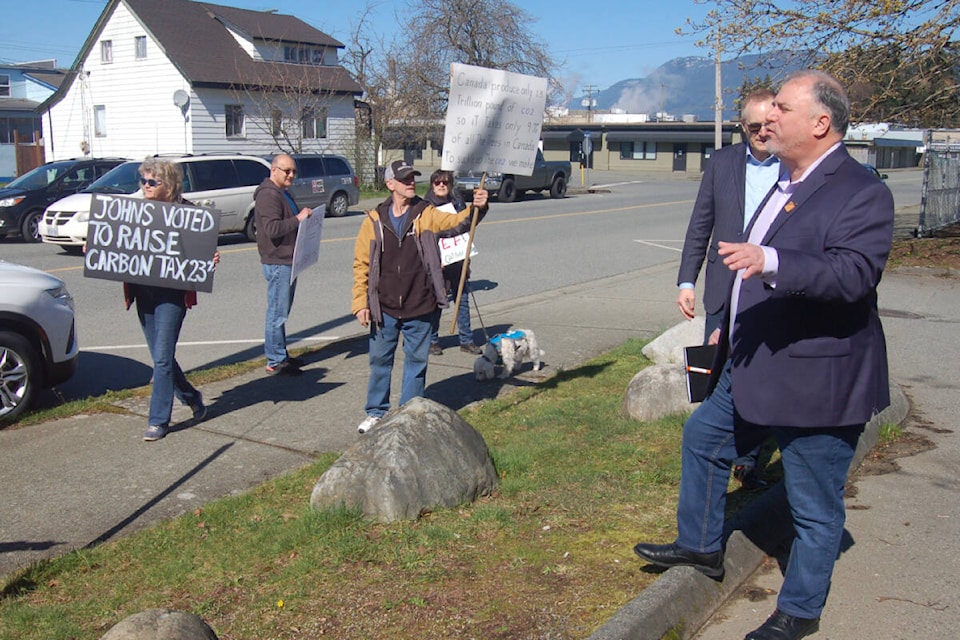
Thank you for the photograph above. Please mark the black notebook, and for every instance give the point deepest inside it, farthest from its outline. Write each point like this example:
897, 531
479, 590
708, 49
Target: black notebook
697, 362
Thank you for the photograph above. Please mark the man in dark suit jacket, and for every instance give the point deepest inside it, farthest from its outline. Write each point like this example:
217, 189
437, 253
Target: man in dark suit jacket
801, 355
736, 180
734, 184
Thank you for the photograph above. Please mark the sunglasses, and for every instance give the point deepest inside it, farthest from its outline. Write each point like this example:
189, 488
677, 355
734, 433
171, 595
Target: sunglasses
150, 182
289, 172
754, 128
439, 182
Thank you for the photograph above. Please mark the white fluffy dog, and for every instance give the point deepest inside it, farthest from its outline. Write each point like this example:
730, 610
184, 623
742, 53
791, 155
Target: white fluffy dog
512, 348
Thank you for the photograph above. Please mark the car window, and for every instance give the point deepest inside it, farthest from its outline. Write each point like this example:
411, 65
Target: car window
336, 167
310, 167
78, 177
251, 172
41, 176
209, 175
121, 179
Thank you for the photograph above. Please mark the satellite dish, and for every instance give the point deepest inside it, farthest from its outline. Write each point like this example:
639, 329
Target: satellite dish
181, 98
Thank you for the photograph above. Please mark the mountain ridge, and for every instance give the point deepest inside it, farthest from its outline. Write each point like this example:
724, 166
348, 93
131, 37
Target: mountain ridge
685, 86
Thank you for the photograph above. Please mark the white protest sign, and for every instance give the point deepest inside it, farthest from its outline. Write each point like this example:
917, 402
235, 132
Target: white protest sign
306, 251
493, 120
163, 244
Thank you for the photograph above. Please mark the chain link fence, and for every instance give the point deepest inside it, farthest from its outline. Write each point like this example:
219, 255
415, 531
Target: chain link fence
940, 202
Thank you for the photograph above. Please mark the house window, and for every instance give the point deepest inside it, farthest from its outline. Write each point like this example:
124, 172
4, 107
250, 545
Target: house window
276, 123
234, 120
106, 51
4, 86
639, 150
140, 47
314, 122
100, 120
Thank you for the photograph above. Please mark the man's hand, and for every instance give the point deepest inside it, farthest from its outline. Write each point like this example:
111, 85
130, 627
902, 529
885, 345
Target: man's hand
687, 302
363, 317
306, 212
480, 197
714, 336
742, 255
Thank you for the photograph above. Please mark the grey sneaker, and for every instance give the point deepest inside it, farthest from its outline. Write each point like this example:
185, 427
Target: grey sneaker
368, 423
435, 349
154, 432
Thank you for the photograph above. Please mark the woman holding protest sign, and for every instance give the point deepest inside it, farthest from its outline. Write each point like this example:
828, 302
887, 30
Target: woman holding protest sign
161, 311
441, 194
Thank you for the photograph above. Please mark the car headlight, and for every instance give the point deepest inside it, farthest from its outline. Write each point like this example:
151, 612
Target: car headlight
61, 295
11, 202
83, 216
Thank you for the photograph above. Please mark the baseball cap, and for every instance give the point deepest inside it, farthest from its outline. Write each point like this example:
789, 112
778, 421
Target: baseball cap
399, 170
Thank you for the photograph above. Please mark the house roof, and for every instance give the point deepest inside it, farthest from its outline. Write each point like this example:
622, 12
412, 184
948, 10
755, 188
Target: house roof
195, 39
193, 36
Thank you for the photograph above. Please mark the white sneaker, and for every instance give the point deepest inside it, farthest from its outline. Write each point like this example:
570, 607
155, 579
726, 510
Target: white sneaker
368, 423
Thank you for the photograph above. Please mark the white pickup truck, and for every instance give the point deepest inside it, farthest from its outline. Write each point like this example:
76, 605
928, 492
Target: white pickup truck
552, 175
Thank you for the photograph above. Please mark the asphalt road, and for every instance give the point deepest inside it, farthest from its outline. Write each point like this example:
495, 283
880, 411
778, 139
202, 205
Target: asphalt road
631, 221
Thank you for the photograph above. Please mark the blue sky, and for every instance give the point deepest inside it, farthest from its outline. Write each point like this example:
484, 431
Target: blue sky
602, 43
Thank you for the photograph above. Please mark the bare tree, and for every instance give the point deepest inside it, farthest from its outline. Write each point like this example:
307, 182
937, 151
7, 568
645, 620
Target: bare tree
899, 57
486, 33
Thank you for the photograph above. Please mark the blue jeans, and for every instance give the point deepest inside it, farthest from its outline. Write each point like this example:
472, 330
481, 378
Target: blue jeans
815, 464
279, 302
161, 312
463, 313
383, 349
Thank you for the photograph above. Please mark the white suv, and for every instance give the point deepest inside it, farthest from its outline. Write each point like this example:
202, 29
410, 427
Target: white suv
223, 182
38, 338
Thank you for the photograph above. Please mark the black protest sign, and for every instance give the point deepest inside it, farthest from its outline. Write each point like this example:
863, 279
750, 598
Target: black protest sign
165, 244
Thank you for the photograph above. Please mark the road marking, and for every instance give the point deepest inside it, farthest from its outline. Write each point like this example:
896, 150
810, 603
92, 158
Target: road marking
660, 246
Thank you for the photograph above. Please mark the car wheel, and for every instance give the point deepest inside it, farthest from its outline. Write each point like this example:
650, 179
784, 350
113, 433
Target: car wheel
19, 374
559, 187
30, 226
250, 229
338, 205
508, 191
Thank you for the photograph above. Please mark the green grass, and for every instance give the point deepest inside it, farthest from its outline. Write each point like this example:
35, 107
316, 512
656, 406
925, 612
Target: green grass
549, 555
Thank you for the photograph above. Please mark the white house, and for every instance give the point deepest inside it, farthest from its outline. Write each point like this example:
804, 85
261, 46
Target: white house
176, 76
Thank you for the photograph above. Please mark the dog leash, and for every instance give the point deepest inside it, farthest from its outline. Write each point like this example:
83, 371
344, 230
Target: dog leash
483, 327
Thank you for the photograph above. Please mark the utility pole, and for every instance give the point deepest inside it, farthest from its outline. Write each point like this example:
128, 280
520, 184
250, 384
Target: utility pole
589, 102
718, 104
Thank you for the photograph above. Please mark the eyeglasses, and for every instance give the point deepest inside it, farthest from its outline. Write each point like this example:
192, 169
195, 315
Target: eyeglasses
443, 182
150, 182
754, 127
289, 172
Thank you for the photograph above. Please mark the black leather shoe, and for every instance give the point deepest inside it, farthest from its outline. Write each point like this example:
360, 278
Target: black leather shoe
780, 626
670, 555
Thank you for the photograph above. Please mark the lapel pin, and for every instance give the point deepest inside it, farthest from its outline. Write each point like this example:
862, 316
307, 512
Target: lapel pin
790, 206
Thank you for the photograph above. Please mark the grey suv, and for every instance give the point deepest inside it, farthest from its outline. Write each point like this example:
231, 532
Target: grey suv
38, 338
325, 179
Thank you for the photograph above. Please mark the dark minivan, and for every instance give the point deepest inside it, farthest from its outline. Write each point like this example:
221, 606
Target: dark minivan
325, 179
22, 201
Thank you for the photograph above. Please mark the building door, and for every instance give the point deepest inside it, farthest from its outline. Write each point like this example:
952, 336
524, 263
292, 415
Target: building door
679, 156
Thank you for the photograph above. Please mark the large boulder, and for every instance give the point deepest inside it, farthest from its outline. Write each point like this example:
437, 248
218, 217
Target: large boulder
419, 458
160, 624
657, 391
668, 346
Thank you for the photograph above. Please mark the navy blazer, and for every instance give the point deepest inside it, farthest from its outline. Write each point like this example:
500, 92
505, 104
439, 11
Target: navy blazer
811, 352
717, 215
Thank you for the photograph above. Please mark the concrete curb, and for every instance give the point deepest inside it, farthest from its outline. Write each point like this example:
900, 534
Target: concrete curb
683, 599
